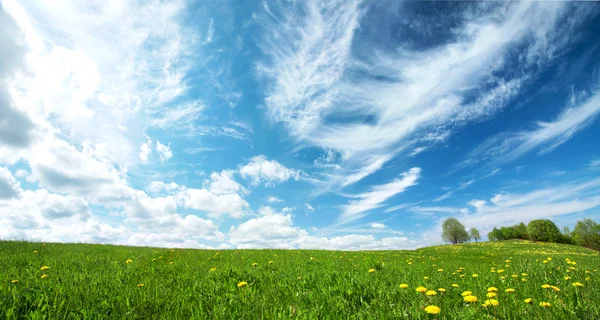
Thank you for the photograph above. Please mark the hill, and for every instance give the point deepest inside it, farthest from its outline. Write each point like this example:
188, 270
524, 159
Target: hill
72, 281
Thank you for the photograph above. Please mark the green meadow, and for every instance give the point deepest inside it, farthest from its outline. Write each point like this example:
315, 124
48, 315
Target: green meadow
496, 280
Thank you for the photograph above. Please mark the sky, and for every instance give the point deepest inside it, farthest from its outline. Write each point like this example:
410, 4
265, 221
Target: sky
338, 124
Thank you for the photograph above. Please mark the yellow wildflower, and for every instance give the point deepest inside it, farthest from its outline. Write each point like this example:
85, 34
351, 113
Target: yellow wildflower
140, 285
440, 270
129, 261
403, 286
14, 281
242, 284
491, 295
44, 276
492, 289
577, 284
432, 309
426, 278
454, 285
491, 302
371, 270
555, 288
528, 300
475, 275
255, 264
44, 268
35, 251
270, 262
441, 290
213, 269
545, 304
509, 290
430, 293
421, 289
524, 274
467, 293
546, 286
470, 299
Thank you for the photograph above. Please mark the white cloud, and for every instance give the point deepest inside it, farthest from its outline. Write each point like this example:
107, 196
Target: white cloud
356, 209
377, 225
145, 151
216, 205
310, 54
595, 163
164, 151
308, 207
9, 186
269, 172
223, 183
273, 199
268, 231
159, 186
444, 196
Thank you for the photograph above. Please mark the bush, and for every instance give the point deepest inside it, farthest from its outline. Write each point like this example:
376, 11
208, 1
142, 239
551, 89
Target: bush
587, 234
543, 230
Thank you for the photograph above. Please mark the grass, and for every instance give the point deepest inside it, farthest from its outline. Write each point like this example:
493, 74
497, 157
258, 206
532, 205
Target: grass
96, 282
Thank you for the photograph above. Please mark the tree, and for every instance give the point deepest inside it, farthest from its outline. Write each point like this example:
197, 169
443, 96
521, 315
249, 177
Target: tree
587, 234
453, 231
543, 230
495, 235
474, 233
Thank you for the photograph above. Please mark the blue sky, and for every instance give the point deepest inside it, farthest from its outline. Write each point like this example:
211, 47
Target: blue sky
295, 124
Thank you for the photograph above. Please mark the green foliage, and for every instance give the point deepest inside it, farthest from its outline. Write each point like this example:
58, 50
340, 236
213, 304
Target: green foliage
95, 282
587, 234
543, 230
474, 234
453, 231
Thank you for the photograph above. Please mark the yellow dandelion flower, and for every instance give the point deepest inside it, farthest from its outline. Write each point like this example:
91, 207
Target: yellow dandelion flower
255, 264
557, 289
491, 302
426, 278
507, 261
467, 293
371, 270
153, 259
577, 284
430, 293
213, 269
509, 290
440, 270
35, 251
44, 276
313, 259
524, 274
491, 295
545, 304
475, 275
441, 290
528, 300
501, 271
524, 279
545, 286
171, 262
432, 309
140, 285
462, 275
403, 286
421, 289
549, 259
492, 289
588, 278
44, 268
270, 262
470, 299
14, 281
567, 278
242, 284
515, 276
454, 285
129, 261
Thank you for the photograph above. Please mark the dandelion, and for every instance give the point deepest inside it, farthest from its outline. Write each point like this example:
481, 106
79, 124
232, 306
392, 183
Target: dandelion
270, 262
492, 289
430, 293
509, 290
153, 259
242, 284
557, 289
128, 261
577, 284
14, 281
441, 290
44, 276
426, 278
213, 269
524, 274
501, 271
545, 286
432, 309
567, 278
35, 251
528, 300
588, 278
255, 264
491, 295
140, 285
440, 270
491, 302
312, 259
403, 286
545, 304
44, 268
371, 270
470, 299
454, 285
171, 262
421, 289
475, 275
515, 276
467, 293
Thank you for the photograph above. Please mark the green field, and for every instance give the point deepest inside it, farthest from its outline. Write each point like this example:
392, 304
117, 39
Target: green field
97, 282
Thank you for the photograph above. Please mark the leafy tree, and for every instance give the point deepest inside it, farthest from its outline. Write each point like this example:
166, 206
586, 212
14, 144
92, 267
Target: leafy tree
496, 235
543, 230
587, 233
474, 233
453, 231
521, 231
492, 236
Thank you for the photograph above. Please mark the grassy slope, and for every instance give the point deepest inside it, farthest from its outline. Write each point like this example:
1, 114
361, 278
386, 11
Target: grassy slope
94, 281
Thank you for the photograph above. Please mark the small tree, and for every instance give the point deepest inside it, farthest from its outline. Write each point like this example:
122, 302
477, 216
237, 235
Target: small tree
543, 230
474, 233
453, 231
587, 233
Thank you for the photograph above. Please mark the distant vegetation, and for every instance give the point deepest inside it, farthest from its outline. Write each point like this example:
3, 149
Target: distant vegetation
586, 233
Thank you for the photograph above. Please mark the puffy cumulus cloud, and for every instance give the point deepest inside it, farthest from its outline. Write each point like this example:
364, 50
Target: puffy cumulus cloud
268, 231
215, 204
159, 186
223, 183
9, 186
177, 231
145, 151
164, 151
270, 172
377, 225
273, 199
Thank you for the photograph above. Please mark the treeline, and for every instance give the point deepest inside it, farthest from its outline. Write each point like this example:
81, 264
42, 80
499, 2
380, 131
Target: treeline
586, 233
